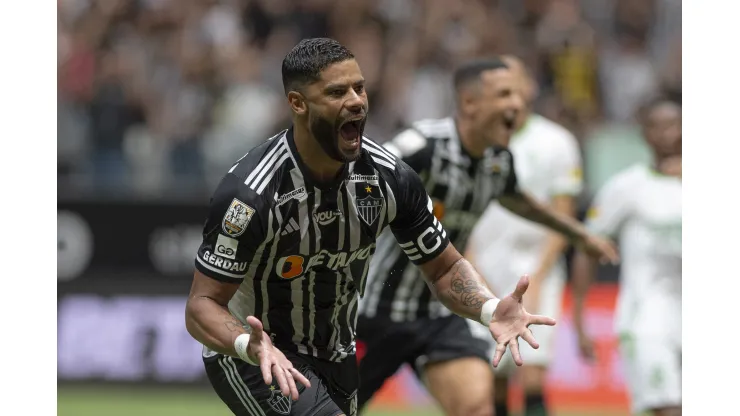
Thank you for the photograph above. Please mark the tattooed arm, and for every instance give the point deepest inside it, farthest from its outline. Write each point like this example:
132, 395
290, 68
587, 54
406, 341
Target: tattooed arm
456, 283
207, 316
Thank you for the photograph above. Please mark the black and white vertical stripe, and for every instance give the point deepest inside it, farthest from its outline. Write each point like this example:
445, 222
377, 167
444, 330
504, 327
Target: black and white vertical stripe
316, 313
395, 288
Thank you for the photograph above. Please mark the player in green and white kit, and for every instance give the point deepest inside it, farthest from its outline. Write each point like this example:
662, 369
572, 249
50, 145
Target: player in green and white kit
641, 207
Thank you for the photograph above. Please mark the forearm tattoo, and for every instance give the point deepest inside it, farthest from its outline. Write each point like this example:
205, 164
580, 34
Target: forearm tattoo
233, 325
465, 287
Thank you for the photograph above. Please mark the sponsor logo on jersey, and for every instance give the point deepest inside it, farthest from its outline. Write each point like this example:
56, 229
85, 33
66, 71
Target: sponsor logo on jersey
369, 207
279, 403
226, 246
290, 226
293, 266
290, 267
237, 218
356, 177
327, 217
299, 194
224, 264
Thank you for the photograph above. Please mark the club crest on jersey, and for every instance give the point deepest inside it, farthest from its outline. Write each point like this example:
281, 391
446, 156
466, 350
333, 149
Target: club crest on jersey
499, 163
369, 207
279, 403
237, 218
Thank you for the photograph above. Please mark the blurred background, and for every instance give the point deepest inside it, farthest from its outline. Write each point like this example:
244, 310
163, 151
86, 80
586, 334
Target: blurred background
157, 98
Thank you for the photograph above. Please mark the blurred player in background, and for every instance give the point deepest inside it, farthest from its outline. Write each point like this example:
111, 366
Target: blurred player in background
290, 235
548, 167
464, 164
641, 207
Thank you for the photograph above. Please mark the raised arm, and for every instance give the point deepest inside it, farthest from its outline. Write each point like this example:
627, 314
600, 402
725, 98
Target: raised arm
452, 278
463, 290
525, 206
457, 284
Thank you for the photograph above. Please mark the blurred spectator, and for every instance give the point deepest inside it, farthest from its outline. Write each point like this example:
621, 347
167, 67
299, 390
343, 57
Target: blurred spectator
567, 44
164, 94
627, 72
247, 113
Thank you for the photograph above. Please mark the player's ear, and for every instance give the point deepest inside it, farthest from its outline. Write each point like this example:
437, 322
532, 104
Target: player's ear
297, 102
467, 102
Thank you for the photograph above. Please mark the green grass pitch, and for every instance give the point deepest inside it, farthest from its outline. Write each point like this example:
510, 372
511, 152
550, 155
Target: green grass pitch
91, 401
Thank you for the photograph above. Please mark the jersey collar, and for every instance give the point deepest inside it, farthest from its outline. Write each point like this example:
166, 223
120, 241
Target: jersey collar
306, 173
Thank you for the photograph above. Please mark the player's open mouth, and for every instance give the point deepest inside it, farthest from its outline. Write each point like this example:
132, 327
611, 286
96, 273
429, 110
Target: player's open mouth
510, 120
351, 131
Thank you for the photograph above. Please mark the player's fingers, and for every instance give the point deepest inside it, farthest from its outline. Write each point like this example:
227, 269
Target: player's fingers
500, 350
540, 320
299, 377
266, 367
606, 252
282, 380
606, 258
287, 369
529, 338
256, 326
291, 385
612, 254
521, 287
515, 354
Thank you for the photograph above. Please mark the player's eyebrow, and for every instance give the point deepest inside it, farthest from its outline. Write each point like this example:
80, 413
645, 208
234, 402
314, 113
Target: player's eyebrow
343, 85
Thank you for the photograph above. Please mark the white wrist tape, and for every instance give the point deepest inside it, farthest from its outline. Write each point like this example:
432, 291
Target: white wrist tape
240, 345
487, 311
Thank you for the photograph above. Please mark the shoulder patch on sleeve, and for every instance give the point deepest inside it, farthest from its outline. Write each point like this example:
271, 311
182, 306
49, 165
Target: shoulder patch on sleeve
237, 218
406, 143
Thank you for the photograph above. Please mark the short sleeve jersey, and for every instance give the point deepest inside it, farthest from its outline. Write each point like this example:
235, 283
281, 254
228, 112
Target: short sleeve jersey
461, 187
300, 251
642, 209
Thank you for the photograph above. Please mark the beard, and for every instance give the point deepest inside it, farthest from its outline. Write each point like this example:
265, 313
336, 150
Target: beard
327, 135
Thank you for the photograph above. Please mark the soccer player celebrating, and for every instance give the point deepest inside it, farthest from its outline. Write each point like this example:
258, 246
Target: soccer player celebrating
464, 163
641, 207
548, 167
288, 242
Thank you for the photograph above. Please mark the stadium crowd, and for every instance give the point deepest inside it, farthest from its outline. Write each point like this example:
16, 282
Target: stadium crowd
165, 94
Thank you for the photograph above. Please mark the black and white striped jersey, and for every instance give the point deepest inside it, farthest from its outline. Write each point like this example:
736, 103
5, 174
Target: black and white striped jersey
301, 250
461, 187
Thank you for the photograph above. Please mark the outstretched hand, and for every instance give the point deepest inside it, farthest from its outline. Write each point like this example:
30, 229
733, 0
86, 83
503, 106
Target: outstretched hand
273, 362
510, 321
599, 248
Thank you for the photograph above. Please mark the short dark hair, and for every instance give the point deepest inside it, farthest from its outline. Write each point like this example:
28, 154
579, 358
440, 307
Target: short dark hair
651, 103
304, 63
472, 70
